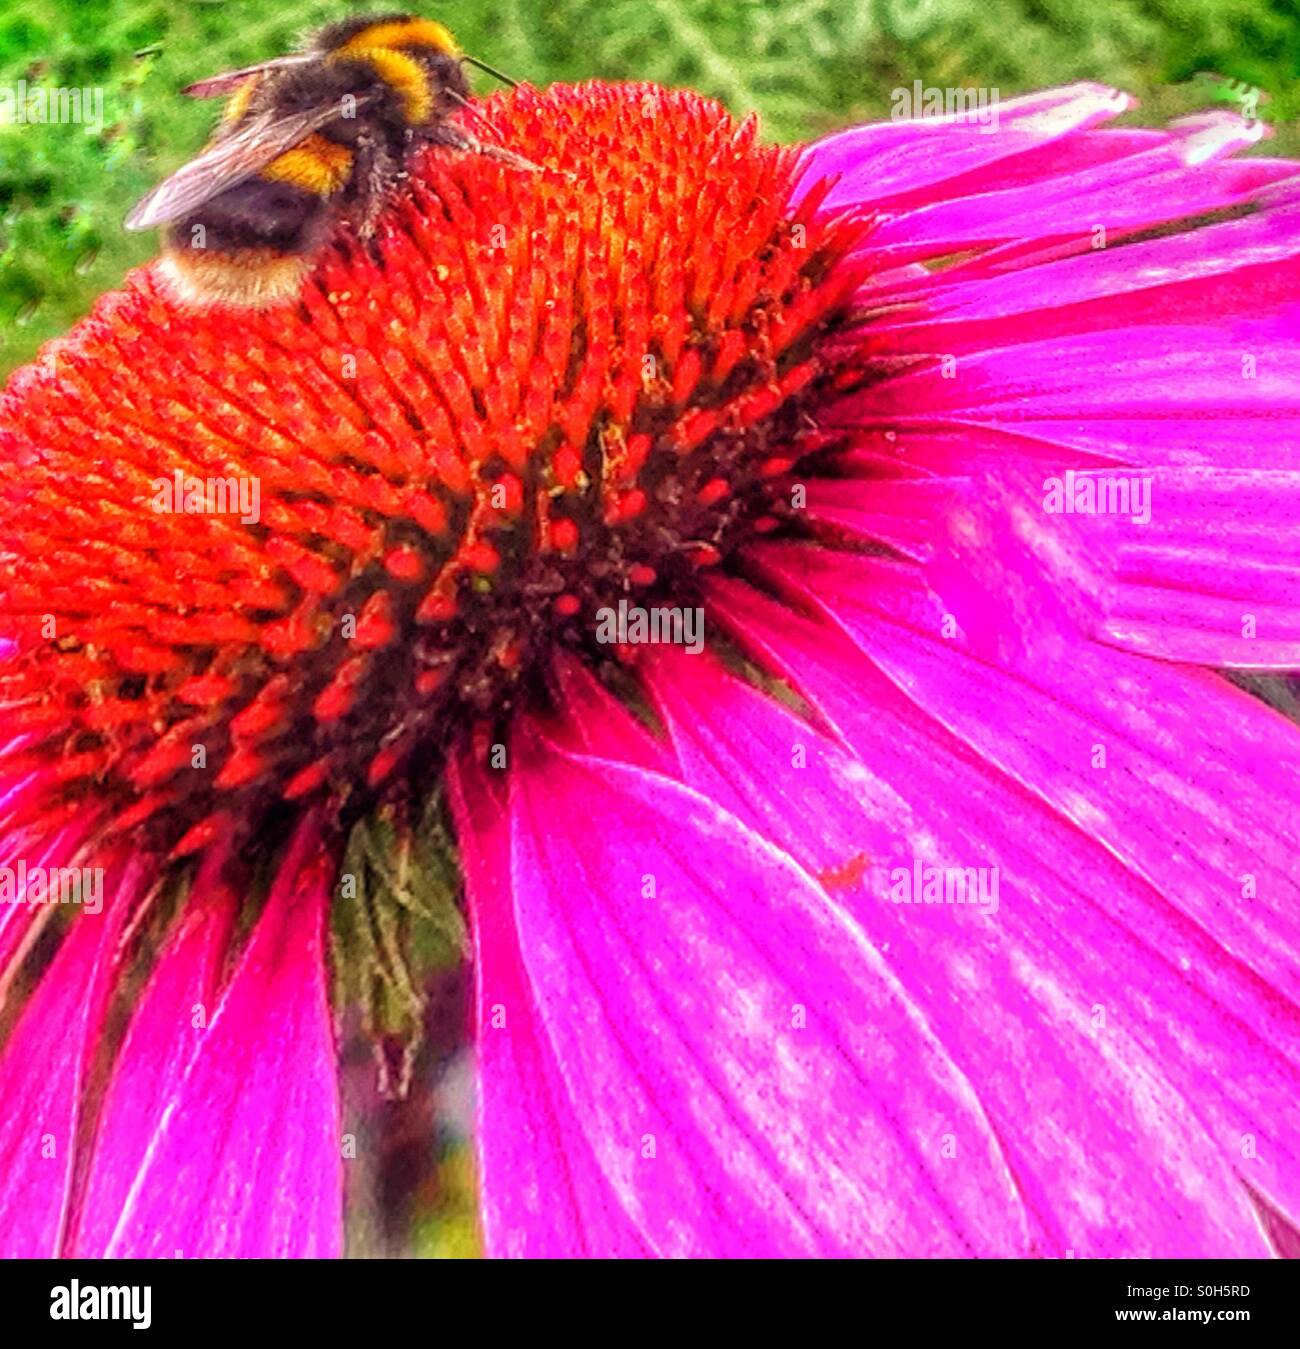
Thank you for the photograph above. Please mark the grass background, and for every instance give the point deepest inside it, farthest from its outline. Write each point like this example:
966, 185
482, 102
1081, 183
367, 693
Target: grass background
807, 66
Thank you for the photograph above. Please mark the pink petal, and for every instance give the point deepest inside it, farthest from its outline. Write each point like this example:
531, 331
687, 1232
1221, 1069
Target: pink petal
895, 159
1171, 799
747, 1076
1161, 183
1172, 383
1212, 576
599, 724
1138, 1079
901, 513
43, 1069
244, 1160
542, 1193
1239, 266
1075, 152
1199, 565
20, 921
158, 1051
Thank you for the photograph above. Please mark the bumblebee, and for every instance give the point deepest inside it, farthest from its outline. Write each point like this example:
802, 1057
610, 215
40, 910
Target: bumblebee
306, 141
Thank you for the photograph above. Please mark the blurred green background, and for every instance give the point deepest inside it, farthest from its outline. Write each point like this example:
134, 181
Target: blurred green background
808, 66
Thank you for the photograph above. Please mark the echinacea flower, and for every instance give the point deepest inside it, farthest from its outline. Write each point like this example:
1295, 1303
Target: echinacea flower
943, 904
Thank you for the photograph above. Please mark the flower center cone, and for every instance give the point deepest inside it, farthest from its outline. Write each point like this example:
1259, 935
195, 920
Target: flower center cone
264, 559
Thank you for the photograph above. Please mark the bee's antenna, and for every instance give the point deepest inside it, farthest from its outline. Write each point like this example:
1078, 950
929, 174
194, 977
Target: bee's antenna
491, 70
470, 110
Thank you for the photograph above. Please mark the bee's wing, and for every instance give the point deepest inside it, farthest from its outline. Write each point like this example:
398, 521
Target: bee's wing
216, 86
228, 161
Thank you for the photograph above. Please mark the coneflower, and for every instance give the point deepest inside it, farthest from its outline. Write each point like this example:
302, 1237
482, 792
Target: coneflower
939, 906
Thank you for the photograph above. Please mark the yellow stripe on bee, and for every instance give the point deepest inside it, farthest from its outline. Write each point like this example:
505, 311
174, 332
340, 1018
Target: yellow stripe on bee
400, 33
317, 165
402, 73
237, 103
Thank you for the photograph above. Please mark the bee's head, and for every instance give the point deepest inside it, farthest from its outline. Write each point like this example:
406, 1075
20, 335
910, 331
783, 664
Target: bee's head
416, 59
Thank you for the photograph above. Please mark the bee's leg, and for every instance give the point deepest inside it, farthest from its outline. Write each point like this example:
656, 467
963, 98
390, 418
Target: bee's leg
377, 168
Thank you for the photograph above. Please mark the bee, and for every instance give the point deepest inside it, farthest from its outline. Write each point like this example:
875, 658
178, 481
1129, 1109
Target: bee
306, 141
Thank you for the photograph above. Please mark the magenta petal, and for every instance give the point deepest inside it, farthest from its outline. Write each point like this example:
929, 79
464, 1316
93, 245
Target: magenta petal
749, 1079
1167, 385
245, 1158
1236, 266
542, 1194
43, 1071
1151, 1079
1147, 757
595, 722
1199, 565
1162, 183
19, 921
1074, 153
1218, 904
1209, 574
1178, 395
902, 512
157, 1053
903, 159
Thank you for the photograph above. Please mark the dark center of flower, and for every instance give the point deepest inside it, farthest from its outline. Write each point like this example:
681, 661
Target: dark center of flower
268, 558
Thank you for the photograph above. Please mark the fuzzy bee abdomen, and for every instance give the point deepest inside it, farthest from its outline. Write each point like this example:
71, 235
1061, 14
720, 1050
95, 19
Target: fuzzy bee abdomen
252, 245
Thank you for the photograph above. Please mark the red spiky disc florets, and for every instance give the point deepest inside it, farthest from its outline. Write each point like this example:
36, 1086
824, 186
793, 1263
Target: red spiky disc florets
535, 394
